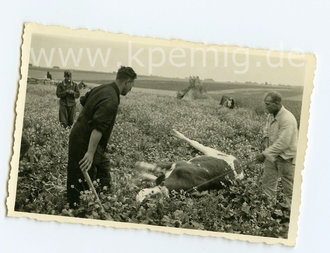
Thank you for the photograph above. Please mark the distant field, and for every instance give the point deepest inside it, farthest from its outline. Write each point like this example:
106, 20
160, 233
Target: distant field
247, 95
98, 77
153, 82
57, 74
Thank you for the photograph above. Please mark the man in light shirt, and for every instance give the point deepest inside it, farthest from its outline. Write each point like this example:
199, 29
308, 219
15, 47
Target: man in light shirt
280, 145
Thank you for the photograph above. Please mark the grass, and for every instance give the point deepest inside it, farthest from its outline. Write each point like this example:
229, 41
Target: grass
142, 133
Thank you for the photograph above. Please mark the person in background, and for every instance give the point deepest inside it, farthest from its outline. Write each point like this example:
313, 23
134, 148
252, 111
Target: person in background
67, 91
91, 132
49, 76
280, 145
81, 85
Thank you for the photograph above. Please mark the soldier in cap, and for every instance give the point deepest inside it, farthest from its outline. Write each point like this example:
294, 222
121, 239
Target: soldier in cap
67, 91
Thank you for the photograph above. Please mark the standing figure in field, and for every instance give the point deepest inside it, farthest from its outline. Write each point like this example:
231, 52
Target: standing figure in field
49, 76
91, 132
201, 173
67, 91
280, 143
195, 90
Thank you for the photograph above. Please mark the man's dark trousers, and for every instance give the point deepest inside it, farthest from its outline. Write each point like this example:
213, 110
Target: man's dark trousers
75, 179
66, 115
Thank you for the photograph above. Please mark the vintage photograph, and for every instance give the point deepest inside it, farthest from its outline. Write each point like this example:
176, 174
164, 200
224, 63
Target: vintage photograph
158, 134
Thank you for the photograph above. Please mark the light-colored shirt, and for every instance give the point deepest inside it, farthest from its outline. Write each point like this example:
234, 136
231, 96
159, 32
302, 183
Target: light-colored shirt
282, 132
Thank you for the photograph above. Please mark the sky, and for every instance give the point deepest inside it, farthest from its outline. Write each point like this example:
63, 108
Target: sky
168, 58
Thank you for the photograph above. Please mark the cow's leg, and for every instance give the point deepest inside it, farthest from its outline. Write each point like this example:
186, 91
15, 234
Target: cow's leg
209, 151
200, 147
164, 165
155, 167
148, 176
146, 166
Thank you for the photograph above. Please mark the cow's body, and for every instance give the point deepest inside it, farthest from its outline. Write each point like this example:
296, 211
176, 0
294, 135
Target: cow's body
186, 175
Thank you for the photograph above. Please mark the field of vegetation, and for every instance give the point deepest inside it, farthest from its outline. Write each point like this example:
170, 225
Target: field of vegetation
143, 133
151, 82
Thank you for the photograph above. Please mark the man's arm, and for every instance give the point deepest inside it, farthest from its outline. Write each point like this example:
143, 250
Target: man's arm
265, 137
60, 91
76, 93
286, 131
100, 123
87, 161
265, 140
265, 143
83, 99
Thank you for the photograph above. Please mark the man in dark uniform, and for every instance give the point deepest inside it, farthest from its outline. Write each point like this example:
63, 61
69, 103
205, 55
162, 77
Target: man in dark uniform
91, 132
67, 91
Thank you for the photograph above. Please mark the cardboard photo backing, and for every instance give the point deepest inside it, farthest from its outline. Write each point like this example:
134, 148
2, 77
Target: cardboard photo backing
162, 98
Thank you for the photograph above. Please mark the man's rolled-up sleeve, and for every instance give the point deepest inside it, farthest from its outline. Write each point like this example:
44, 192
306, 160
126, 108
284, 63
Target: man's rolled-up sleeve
83, 99
282, 143
103, 116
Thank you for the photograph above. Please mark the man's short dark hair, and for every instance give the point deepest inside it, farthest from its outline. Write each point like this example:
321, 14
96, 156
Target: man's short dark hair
275, 96
125, 73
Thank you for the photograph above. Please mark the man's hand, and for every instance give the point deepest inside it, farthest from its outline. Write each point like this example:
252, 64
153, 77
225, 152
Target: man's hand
86, 162
70, 91
265, 143
260, 158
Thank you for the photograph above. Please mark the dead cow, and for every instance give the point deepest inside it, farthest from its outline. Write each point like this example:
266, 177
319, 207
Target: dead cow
201, 173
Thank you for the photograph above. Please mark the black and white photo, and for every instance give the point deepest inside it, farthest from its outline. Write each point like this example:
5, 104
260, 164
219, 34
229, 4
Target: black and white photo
168, 135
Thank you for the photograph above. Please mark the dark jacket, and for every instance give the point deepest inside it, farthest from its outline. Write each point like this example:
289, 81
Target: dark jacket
99, 112
62, 93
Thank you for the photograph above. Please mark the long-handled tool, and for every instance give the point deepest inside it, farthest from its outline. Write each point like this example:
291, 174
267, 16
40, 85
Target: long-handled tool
91, 186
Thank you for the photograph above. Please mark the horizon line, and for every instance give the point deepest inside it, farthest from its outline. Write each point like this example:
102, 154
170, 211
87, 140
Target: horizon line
168, 77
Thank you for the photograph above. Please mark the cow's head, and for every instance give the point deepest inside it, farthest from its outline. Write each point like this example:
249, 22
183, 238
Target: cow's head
144, 193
